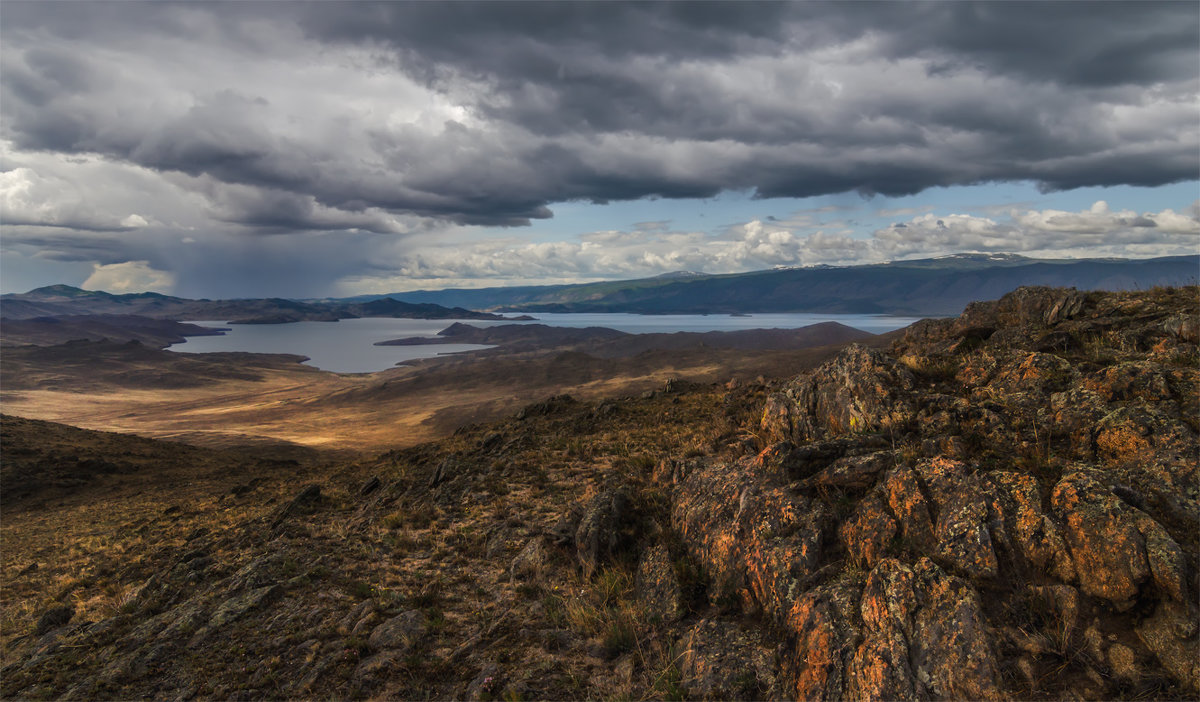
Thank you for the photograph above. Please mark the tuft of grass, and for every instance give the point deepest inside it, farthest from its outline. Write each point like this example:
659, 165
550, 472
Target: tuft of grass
620, 633
359, 589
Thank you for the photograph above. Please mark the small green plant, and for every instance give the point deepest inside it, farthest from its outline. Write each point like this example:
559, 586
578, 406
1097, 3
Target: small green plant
619, 635
359, 589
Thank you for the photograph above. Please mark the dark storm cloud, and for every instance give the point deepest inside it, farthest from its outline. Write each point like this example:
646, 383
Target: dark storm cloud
66, 248
524, 105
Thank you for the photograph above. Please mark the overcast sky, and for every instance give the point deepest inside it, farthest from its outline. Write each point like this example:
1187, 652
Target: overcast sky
242, 149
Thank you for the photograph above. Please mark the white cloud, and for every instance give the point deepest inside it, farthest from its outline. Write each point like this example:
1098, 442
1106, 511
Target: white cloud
130, 276
1096, 231
90, 194
28, 197
640, 251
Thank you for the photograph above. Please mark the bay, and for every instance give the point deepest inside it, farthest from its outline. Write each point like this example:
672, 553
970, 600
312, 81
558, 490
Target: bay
347, 346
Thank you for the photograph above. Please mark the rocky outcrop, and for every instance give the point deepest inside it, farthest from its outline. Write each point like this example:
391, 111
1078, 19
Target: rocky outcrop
860, 391
1048, 449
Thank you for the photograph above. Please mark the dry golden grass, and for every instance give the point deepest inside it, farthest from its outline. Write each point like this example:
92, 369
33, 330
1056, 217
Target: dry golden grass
292, 403
445, 551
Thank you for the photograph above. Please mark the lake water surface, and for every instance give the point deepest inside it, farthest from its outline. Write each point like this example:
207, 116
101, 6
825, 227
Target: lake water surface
347, 346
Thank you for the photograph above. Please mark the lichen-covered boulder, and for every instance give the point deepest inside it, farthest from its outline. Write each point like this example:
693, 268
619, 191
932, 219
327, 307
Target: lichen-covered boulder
907, 502
1171, 633
1132, 380
924, 636
704, 514
867, 533
1033, 373
858, 472
657, 586
1034, 540
1115, 547
1030, 306
726, 660
860, 390
821, 626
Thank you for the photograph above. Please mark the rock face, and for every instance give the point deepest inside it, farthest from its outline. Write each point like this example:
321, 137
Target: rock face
1037, 444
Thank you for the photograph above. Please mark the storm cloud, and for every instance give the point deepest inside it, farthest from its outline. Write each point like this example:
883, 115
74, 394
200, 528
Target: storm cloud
490, 113
406, 119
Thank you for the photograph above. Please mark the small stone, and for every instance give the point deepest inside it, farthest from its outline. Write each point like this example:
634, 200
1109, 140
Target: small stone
1027, 669
376, 666
1123, 662
369, 487
485, 685
443, 472
399, 632
235, 607
531, 561
599, 533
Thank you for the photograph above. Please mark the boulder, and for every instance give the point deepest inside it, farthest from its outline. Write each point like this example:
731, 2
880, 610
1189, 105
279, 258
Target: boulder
726, 660
1185, 327
858, 472
600, 530
52, 618
657, 586
960, 499
303, 502
821, 628
1115, 547
1029, 306
1133, 380
860, 390
1077, 410
1034, 540
399, 632
868, 532
925, 635
909, 506
1033, 373
531, 561
704, 514
1171, 634
784, 536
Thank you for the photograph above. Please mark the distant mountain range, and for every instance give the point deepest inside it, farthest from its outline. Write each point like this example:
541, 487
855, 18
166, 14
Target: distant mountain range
64, 300
926, 287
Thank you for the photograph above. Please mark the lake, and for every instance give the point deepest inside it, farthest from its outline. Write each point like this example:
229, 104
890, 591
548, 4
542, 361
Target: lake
347, 346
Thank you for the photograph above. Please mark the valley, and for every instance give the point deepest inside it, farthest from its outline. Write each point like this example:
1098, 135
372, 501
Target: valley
224, 399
